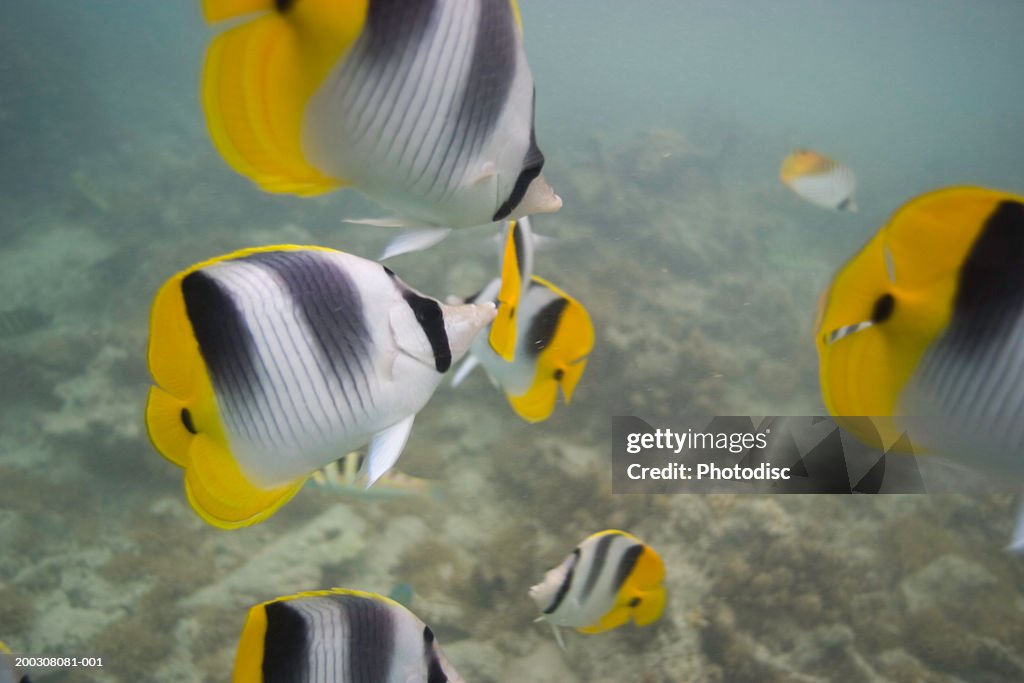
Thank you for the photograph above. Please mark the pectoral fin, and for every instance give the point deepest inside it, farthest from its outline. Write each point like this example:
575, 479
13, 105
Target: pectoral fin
385, 449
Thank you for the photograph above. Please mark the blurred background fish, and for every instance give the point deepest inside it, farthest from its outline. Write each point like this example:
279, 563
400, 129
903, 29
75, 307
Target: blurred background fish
924, 328
819, 179
426, 107
338, 636
347, 477
270, 361
610, 578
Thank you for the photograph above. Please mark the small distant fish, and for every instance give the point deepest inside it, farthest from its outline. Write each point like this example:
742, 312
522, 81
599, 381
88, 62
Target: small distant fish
924, 329
270, 361
554, 336
8, 672
820, 180
609, 579
402, 594
338, 636
347, 476
16, 322
426, 107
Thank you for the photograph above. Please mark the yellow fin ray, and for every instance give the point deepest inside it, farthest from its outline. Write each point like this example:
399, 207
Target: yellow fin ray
166, 429
218, 10
538, 402
222, 495
650, 607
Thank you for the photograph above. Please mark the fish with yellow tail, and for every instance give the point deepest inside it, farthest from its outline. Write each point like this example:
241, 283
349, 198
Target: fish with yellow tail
427, 107
820, 180
922, 332
347, 477
338, 636
8, 671
554, 337
268, 362
608, 580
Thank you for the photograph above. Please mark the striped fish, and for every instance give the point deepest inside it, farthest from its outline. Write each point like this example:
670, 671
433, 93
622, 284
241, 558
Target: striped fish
923, 331
820, 180
554, 336
338, 636
607, 580
270, 361
427, 107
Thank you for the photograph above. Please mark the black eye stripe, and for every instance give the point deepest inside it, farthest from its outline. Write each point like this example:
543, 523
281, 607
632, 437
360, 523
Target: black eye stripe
431, 318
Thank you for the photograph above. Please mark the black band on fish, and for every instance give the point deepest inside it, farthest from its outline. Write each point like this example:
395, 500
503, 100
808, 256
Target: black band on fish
431, 318
566, 583
544, 325
435, 674
517, 243
626, 564
371, 642
597, 564
284, 644
224, 339
533, 163
991, 280
282, 6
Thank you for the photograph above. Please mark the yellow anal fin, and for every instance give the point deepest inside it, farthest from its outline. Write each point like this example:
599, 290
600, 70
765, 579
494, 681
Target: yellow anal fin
503, 330
165, 422
538, 402
618, 616
258, 79
650, 606
222, 495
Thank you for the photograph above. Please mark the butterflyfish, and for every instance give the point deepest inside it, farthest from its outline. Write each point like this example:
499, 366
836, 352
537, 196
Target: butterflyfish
9, 673
338, 636
427, 107
554, 337
923, 330
609, 579
820, 180
269, 362
347, 476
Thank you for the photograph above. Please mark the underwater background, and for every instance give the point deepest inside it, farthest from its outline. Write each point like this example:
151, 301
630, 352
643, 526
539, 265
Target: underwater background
663, 123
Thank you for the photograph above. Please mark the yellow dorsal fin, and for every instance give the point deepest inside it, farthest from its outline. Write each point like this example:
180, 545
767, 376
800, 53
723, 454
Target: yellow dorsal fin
219, 10
222, 495
649, 608
503, 330
258, 79
249, 656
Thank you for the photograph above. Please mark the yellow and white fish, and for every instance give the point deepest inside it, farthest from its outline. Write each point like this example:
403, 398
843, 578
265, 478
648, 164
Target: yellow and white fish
922, 331
338, 636
8, 672
347, 476
607, 580
820, 180
270, 361
554, 336
427, 107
